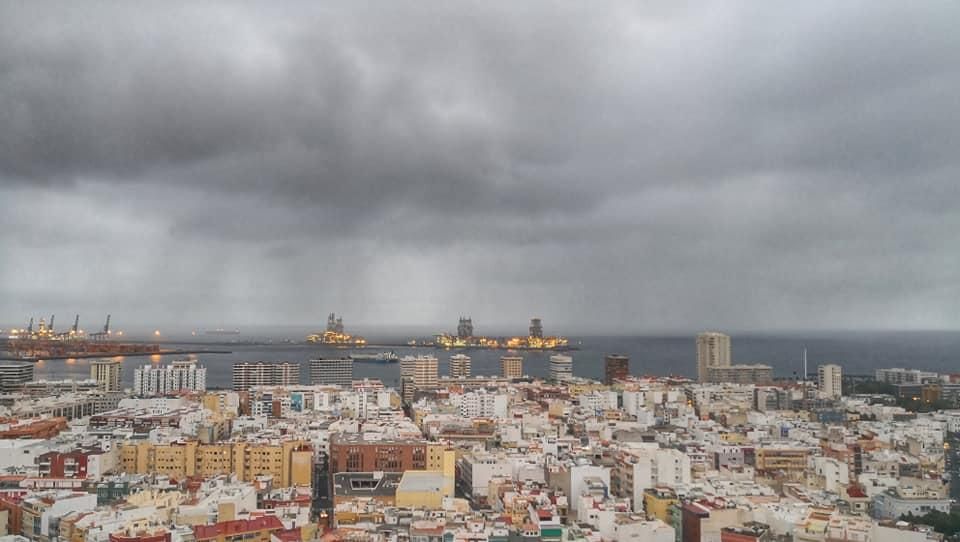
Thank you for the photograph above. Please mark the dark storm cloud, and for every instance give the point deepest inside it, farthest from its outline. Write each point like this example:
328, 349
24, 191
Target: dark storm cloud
678, 165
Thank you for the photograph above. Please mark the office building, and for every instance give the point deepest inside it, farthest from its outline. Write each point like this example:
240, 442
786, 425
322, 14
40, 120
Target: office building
511, 367
281, 373
615, 367
107, 374
14, 375
417, 374
336, 372
829, 381
181, 375
459, 366
713, 350
561, 367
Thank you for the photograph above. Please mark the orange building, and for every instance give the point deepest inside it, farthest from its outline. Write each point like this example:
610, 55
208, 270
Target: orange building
38, 429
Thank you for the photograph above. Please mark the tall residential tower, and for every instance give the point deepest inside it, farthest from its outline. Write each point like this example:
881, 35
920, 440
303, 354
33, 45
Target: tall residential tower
713, 350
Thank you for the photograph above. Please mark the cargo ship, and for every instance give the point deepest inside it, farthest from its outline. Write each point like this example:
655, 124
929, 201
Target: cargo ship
381, 357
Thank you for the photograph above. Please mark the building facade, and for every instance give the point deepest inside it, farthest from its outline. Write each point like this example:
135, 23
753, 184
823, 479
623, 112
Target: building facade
511, 367
107, 374
615, 367
713, 350
417, 373
181, 375
335, 371
260, 373
14, 375
561, 367
741, 374
459, 366
829, 381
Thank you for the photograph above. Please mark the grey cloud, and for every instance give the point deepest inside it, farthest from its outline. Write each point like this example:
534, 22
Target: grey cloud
664, 166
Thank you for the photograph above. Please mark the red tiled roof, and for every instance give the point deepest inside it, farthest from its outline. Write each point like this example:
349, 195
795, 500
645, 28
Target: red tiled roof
855, 492
207, 532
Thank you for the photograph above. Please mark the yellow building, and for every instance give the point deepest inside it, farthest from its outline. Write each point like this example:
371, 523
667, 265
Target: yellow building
290, 463
657, 502
421, 489
788, 460
443, 460
576, 389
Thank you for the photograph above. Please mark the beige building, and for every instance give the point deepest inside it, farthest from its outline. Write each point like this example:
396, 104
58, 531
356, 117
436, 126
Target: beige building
511, 367
741, 374
290, 462
713, 350
829, 381
417, 373
107, 374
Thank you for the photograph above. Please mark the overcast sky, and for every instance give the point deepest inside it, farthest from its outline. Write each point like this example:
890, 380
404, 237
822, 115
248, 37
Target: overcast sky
635, 167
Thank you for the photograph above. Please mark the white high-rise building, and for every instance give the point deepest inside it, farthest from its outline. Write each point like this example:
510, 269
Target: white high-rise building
830, 381
181, 375
459, 366
561, 367
713, 350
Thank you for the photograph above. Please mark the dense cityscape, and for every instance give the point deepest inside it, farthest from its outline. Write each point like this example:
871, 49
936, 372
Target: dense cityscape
297, 452
479, 271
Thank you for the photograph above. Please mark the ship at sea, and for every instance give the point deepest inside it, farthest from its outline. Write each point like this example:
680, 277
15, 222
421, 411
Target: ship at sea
335, 335
535, 340
380, 357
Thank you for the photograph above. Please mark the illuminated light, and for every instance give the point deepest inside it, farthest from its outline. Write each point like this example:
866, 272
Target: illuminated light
120, 334
157, 333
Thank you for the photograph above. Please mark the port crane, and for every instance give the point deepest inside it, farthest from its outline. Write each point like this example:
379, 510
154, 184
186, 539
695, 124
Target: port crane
102, 335
71, 333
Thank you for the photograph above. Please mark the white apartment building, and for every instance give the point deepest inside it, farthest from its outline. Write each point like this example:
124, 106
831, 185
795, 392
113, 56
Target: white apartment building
459, 366
829, 381
561, 367
181, 375
483, 404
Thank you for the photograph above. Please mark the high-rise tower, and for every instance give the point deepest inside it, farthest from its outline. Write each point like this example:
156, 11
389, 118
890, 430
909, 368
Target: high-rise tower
713, 350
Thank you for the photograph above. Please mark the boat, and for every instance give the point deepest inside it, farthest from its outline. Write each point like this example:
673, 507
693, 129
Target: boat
381, 357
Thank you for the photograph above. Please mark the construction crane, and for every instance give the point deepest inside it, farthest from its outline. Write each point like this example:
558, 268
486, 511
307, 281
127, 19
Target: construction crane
102, 335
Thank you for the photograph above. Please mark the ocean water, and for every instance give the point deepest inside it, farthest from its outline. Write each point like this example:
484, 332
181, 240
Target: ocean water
856, 352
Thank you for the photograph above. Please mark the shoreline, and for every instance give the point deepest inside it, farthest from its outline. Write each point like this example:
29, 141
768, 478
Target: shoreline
117, 355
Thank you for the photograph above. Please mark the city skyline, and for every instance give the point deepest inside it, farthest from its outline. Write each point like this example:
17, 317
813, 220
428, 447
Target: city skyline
741, 167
